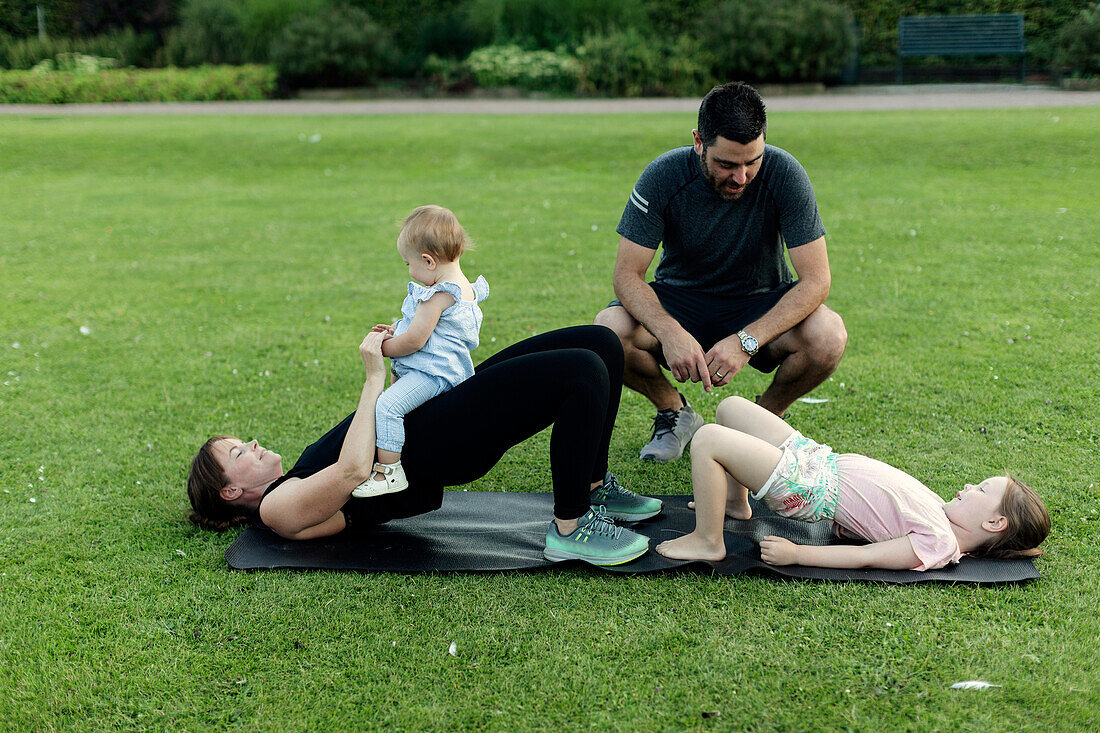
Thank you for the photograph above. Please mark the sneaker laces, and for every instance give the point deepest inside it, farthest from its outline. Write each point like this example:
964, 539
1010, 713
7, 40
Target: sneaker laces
602, 524
612, 487
664, 422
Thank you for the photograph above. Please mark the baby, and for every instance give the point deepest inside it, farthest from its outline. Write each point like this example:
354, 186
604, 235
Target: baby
429, 348
907, 525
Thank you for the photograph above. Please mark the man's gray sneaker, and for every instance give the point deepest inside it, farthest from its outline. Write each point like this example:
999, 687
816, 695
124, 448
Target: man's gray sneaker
623, 504
596, 540
672, 430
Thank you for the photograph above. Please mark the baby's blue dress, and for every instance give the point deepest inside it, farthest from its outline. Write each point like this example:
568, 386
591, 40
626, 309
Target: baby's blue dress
446, 355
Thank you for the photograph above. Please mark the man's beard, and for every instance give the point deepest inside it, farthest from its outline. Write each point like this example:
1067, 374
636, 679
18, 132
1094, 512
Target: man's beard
718, 187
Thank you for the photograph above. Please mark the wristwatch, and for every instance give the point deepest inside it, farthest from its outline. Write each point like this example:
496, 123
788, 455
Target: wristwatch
748, 343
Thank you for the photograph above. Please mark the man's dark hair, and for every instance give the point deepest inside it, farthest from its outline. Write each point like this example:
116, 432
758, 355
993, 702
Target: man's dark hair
734, 111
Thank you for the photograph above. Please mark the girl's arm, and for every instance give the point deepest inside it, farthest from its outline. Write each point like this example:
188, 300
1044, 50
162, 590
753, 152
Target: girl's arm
423, 323
895, 554
310, 507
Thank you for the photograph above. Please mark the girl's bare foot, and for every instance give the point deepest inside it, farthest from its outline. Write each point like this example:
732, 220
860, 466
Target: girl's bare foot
734, 509
693, 547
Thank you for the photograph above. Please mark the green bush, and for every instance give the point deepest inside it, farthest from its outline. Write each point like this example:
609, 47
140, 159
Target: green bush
262, 21
762, 40
77, 63
1078, 45
511, 66
200, 84
209, 32
404, 19
551, 23
125, 46
337, 47
446, 74
630, 64
25, 53
451, 34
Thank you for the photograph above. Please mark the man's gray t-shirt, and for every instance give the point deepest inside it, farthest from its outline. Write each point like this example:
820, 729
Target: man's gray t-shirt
722, 247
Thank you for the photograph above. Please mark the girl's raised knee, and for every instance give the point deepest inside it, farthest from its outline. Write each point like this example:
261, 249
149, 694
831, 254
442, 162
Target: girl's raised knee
729, 408
706, 440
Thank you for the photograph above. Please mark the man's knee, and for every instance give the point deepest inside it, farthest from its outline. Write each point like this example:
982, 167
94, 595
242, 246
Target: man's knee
825, 338
630, 332
617, 319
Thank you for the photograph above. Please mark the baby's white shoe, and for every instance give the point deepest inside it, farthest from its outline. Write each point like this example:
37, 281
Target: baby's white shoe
393, 481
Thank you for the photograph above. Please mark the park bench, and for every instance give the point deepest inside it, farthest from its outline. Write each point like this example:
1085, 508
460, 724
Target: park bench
1001, 34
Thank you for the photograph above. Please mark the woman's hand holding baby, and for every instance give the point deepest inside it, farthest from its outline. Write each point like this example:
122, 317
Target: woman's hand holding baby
371, 351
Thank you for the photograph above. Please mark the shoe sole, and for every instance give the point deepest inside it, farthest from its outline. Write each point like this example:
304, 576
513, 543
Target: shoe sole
655, 459
562, 555
631, 517
373, 494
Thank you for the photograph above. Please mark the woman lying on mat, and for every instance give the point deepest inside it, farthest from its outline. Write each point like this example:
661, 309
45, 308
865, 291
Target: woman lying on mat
570, 379
908, 526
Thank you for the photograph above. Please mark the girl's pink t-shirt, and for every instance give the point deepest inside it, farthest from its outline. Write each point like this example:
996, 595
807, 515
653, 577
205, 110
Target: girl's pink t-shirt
879, 502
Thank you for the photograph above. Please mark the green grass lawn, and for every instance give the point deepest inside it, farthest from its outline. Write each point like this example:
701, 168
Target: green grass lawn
162, 279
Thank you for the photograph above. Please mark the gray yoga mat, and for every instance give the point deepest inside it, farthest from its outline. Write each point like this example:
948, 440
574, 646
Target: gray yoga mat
490, 531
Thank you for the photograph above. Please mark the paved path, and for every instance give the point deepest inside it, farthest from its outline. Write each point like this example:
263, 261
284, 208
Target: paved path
918, 96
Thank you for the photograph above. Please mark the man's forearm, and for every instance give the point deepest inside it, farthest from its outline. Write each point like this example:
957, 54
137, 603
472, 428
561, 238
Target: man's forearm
793, 308
642, 303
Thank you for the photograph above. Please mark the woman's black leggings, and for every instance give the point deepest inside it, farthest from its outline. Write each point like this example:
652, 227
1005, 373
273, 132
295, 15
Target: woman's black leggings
571, 378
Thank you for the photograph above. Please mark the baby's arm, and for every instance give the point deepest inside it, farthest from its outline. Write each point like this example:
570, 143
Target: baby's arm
423, 323
895, 554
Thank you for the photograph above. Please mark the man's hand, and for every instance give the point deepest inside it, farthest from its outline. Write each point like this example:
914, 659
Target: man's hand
725, 359
778, 551
685, 358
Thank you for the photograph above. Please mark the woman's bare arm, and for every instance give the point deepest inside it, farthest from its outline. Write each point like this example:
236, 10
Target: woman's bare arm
310, 507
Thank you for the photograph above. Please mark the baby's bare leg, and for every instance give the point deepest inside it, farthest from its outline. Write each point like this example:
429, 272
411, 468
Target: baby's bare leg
718, 454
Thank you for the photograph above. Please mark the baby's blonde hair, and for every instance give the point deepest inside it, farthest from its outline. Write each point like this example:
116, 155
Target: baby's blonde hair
434, 230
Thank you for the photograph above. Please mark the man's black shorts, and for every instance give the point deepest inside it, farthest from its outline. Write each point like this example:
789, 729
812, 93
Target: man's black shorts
711, 318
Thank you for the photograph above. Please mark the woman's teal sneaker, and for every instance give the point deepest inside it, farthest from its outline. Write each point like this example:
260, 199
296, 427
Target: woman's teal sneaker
596, 540
623, 504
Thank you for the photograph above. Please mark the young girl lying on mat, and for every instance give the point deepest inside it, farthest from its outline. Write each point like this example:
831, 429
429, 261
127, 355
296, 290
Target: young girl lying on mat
908, 526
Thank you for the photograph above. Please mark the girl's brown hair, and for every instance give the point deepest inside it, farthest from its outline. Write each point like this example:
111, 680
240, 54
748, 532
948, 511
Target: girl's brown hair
204, 484
1028, 523
435, 231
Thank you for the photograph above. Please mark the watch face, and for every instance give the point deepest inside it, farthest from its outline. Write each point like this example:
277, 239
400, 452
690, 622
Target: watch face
750, 343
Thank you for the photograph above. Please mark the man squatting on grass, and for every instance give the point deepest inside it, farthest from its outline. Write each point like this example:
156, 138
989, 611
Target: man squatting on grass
722, 294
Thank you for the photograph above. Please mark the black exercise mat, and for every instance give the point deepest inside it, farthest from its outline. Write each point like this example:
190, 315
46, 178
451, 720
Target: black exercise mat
490, 531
